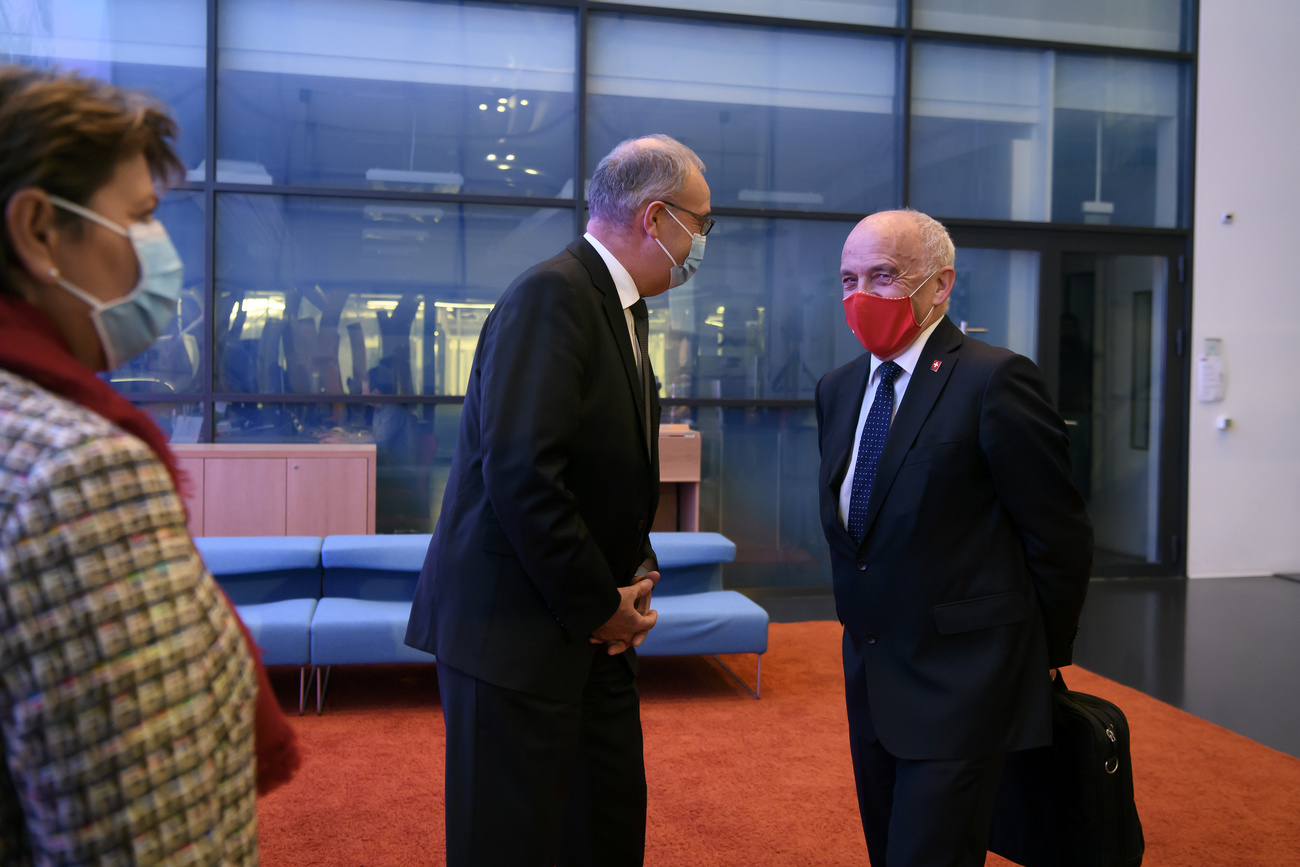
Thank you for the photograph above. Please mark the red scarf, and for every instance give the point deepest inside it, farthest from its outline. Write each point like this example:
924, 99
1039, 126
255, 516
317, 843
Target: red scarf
32, 346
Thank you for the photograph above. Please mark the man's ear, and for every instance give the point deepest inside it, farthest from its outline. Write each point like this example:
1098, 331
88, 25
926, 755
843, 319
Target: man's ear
946, 277
29, 222
650, 218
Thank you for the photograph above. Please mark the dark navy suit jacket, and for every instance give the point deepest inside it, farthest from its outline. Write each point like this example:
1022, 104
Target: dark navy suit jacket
552, 490
968, 584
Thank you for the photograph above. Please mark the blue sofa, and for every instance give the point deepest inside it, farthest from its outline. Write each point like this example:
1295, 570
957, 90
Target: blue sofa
275, 583
366, 592
696, 616
344, 600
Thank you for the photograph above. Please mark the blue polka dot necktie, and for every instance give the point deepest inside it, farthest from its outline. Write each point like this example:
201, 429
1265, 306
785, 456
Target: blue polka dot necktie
870, 446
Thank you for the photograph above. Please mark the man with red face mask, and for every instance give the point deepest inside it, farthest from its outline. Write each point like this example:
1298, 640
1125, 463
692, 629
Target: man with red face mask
959, 546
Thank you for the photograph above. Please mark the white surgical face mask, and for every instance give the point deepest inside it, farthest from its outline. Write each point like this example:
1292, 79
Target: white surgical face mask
130, 324
685, 271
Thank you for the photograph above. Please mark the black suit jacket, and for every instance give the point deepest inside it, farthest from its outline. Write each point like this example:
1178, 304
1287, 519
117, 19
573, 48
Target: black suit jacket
552, 490
968, 584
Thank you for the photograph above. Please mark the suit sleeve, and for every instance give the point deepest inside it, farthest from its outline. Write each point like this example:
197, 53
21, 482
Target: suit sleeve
532, 383
1027, 448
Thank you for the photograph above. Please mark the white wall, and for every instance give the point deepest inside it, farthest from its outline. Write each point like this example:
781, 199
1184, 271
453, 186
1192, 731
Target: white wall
1244, 483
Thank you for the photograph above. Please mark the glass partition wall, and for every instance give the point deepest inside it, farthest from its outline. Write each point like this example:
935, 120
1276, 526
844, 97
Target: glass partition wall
366, 177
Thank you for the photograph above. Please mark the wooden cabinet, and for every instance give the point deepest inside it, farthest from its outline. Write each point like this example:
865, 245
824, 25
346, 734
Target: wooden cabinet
679, 479
279, 490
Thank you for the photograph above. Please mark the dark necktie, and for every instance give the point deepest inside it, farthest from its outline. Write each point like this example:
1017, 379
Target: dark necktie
870, 446
641, 322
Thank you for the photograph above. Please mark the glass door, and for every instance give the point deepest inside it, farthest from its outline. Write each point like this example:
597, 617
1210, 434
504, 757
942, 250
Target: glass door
1104, 318
1111, 393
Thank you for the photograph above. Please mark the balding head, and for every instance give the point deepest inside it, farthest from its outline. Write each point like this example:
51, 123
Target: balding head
922, 238
639, 171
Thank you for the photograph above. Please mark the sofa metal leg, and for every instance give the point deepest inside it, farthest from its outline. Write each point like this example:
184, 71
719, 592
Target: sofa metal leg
322, 683
305, 678
758, 676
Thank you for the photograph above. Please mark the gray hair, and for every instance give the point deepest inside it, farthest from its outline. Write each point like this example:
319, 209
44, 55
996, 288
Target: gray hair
935, 242
637, 171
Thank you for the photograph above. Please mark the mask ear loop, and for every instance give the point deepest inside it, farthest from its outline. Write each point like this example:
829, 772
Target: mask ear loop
684, 229
921, 324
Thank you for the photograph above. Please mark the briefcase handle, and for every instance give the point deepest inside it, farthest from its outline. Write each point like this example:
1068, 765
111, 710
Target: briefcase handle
1111, 765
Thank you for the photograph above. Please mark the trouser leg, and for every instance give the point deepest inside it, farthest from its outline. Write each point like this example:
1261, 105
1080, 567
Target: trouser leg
925, 813
604, 823
509, 756
873, 775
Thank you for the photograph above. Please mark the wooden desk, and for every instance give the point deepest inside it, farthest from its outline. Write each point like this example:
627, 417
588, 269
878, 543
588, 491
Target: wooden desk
679, 479
278, 490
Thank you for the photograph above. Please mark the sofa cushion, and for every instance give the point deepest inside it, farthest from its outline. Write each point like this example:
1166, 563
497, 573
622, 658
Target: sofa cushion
261, 569
357, 631
722, 621
282, 629
691, 562
381, 568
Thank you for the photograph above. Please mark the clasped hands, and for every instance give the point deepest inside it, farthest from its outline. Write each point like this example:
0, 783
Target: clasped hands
633, 618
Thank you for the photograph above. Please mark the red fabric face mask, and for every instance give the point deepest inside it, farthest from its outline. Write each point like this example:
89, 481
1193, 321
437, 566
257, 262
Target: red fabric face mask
884, 326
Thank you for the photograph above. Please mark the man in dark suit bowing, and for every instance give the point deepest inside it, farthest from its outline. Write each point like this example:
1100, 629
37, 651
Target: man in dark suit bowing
959, 546
537, 582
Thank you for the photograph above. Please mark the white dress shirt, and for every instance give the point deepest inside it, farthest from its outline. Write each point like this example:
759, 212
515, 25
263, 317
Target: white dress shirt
627, 291
907, 361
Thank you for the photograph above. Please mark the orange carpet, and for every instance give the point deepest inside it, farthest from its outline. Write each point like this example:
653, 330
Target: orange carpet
735, 781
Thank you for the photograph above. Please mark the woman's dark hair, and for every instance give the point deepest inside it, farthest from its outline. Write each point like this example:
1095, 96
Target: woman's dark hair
66, 133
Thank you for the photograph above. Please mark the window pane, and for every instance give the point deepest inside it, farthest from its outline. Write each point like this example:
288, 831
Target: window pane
414, 445
758, 487
1115, 152
174, 363
995, 297
179, 422
395, 94
782, 119
1014, 134
1154, 24
328, 296
155, 45
761, 319
882, 13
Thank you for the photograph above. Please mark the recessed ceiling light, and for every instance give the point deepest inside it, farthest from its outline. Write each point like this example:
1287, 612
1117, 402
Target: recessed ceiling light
503, 100
523, 102
482, 106
510, 156
501, 108
492, 158
502, 166
530, 171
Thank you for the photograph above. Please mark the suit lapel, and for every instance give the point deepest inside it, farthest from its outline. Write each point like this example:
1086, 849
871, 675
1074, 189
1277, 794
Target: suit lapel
841, 447
613, 306
923, 389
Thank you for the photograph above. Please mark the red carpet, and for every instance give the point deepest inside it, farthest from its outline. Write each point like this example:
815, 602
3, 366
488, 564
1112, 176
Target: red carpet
735, 781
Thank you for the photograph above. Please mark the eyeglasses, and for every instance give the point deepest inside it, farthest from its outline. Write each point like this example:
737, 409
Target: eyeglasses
705, 223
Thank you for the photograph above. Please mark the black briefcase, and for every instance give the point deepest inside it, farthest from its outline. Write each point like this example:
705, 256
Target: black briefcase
1071, 804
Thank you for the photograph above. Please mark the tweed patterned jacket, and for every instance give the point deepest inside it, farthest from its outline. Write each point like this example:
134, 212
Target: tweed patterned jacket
127, 692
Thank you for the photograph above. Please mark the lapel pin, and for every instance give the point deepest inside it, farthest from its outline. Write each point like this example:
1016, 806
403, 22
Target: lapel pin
935, 366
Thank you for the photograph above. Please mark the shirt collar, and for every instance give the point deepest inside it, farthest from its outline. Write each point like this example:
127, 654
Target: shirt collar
908, 359
623, 282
